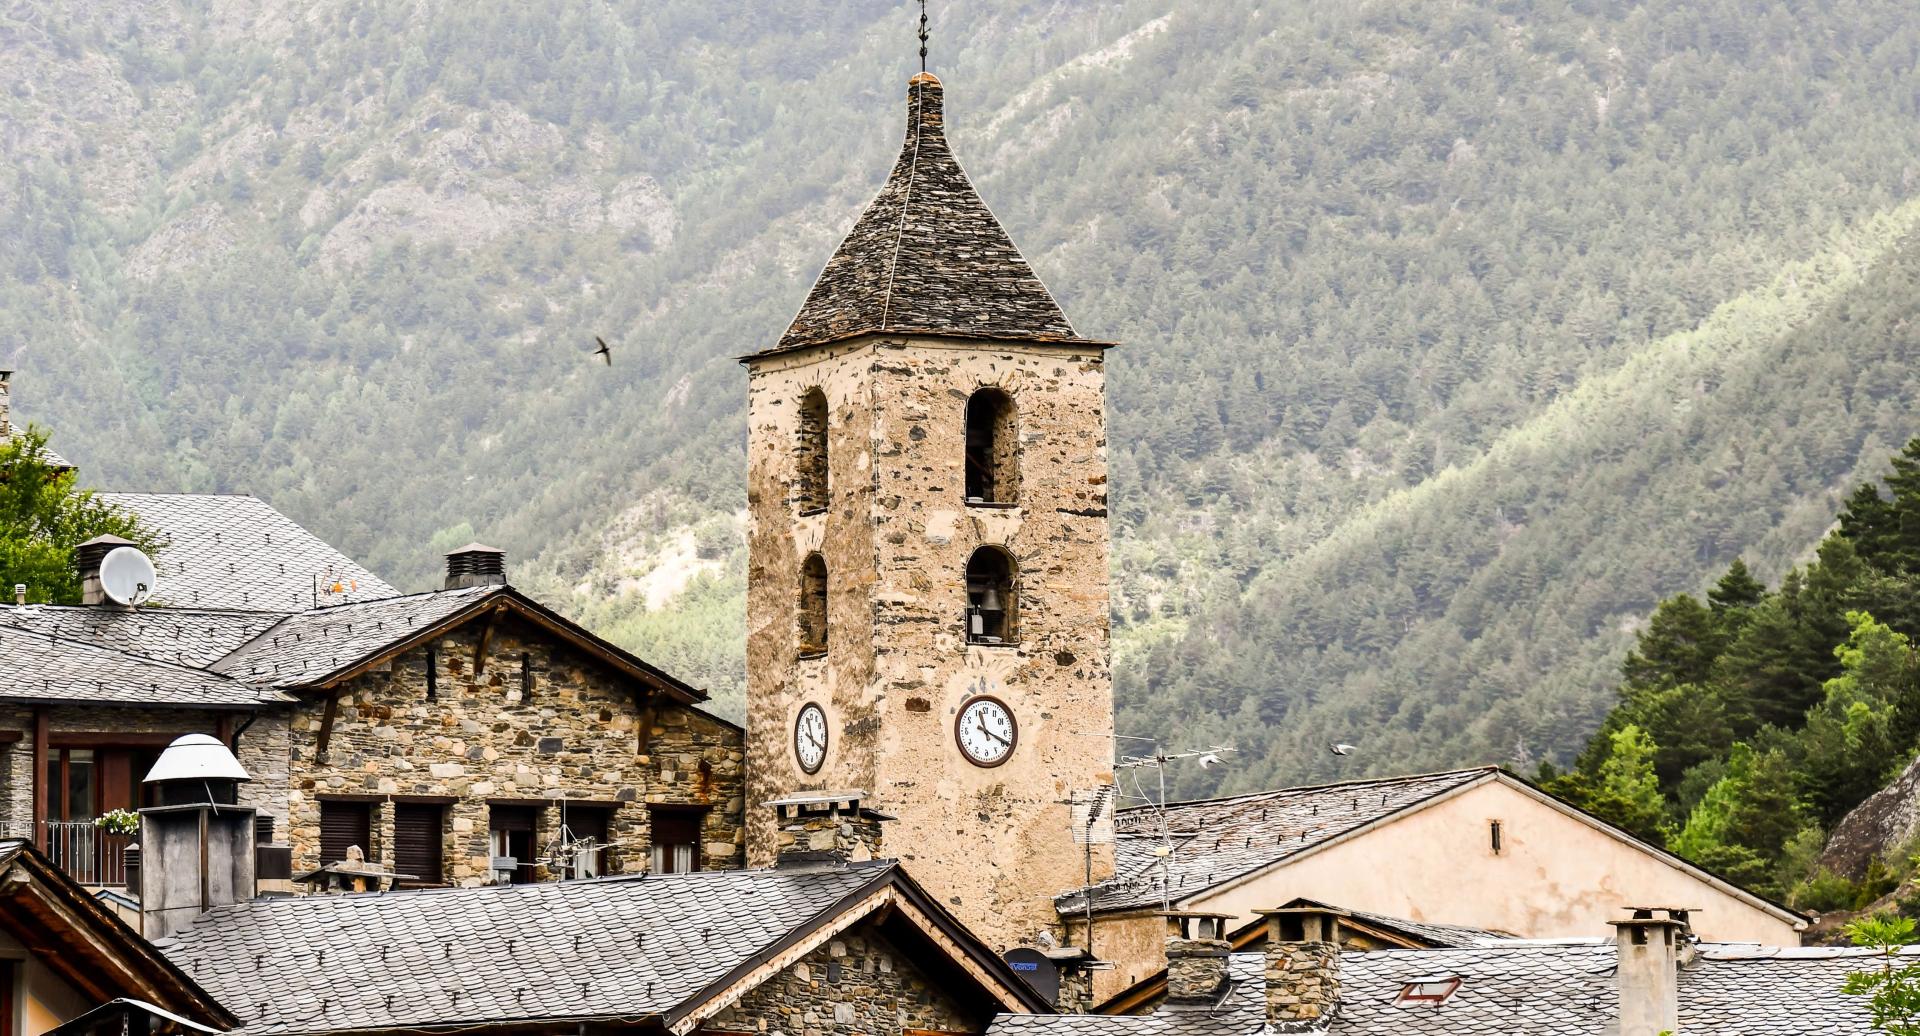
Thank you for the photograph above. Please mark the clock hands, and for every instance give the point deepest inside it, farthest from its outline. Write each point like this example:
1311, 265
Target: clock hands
982, 723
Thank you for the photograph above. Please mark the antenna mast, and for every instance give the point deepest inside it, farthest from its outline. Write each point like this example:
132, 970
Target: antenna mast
923, 35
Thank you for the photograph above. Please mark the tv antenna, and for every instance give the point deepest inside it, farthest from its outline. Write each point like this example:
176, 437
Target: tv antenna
127, 576
567, 854
1157, 759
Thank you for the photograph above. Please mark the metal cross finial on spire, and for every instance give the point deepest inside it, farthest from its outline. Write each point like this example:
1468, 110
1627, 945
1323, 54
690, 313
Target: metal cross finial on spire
923, 35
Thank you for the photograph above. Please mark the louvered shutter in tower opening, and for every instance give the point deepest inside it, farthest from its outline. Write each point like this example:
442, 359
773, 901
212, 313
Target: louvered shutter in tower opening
344, 824
416, 841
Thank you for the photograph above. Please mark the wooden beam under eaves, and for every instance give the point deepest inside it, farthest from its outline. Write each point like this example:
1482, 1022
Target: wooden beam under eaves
486, 641
326, 729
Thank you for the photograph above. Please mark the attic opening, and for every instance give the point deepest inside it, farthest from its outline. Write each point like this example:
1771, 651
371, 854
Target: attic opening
993, 468
813, 605
991, 611
810, 453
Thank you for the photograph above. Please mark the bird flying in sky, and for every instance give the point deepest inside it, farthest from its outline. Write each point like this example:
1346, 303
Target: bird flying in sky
605, 351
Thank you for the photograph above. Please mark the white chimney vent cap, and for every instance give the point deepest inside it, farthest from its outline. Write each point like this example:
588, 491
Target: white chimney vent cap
196, 757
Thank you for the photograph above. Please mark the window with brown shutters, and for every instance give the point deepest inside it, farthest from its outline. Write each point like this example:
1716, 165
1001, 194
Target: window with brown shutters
343, 825
417, 842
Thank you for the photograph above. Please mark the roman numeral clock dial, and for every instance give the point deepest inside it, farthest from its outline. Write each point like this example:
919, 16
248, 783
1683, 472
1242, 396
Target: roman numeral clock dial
986, 732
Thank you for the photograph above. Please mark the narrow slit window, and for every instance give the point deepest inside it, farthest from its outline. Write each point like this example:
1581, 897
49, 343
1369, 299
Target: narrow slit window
813, 605
810, 453
1495, 837
993, 469
990, 597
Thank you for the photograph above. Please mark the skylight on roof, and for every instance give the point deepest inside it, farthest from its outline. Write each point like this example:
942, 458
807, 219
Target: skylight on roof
1427, 991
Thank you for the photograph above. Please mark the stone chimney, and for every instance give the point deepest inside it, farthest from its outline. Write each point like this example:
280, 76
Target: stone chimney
826, 829
196, 847
1302, 967
476, 564
1647, 950
6, 405
1197, 952
86, 563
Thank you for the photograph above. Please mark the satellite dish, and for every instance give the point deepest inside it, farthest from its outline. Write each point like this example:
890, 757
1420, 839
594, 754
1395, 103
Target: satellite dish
127, 576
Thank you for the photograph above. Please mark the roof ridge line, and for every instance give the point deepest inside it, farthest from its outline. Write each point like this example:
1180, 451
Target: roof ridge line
906, 203
1358, 782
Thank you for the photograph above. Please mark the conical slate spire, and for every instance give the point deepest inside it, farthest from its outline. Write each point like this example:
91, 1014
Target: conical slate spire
927, 257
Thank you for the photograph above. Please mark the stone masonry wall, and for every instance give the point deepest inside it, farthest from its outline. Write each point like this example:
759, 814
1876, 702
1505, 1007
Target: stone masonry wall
483, 741
993, 843
1303, 981
859, 984
262, 751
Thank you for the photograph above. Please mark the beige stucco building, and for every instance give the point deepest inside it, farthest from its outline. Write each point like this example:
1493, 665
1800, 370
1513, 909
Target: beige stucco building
1473, 847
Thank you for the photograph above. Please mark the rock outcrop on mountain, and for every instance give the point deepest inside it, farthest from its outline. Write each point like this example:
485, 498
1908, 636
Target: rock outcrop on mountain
1882, 824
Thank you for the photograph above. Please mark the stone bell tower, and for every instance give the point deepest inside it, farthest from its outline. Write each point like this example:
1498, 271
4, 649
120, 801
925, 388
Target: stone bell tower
927, 584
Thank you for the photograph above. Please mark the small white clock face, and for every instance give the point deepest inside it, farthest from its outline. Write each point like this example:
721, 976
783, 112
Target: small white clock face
986, 731
810, 738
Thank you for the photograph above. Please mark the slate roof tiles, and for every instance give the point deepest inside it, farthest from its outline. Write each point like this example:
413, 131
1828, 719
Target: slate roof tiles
182, 636
624, 947
1215, 840
927, 256
237, 553
40, 668
1522, 988
305, 647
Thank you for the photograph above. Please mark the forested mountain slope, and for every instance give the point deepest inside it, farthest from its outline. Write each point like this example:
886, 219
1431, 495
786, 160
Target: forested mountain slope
1424, 398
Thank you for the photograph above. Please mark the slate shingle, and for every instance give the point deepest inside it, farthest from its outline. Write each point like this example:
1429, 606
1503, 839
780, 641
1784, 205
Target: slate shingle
302, 648
1215, 840
182, 636
622, 947
927, 256
237, 553
38, 668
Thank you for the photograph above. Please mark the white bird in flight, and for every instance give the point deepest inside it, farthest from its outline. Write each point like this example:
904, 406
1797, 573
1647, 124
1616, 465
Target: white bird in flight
1344, 749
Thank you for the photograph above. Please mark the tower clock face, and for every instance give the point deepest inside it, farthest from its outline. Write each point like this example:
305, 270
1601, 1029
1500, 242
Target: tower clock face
810, 738
986, 731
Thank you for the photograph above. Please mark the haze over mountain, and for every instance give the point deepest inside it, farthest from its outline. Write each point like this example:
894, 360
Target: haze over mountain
1455, 336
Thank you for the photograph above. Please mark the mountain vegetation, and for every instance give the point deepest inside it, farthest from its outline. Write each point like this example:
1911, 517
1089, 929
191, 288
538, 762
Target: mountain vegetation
1455, 336
1749, 723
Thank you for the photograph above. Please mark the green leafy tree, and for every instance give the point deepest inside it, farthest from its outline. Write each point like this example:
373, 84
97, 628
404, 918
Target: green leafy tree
1850, 745
43, 516
1893, 990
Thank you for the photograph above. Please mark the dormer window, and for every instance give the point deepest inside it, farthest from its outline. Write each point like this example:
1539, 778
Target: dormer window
810, 454
1427, 990
813, 606
993, 469
990, 597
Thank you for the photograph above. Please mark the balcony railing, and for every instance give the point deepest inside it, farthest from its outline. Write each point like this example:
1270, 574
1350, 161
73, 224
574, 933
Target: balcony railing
89, 855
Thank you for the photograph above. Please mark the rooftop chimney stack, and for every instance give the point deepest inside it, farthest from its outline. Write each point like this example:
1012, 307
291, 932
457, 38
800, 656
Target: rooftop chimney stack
1197, 952
1647, 951
86, 562
196, 847
476, 564
6, 405
1302, 967
827, 829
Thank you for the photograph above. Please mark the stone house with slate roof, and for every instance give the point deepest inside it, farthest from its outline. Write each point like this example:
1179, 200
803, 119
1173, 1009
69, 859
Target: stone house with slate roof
1477, 846
443, 733
816, 945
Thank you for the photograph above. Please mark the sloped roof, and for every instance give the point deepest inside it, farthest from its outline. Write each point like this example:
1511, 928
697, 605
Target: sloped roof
187, 637
35, 667
315, 648
1215, 840
1524, 988
927, 256
238, 553
47, 456
614, 949
79, 939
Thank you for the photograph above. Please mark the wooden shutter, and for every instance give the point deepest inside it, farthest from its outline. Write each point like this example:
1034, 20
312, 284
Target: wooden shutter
673, 829
344, 824
416, 841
